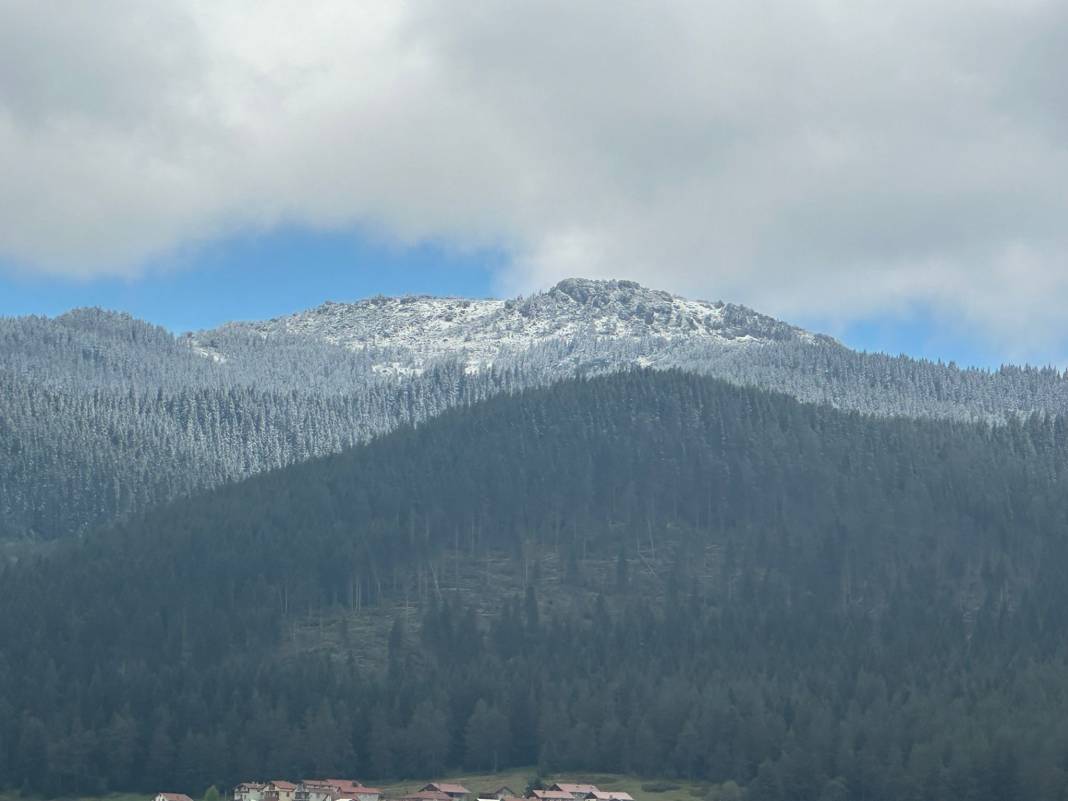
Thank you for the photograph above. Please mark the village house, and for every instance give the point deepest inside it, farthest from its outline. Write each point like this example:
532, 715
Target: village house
503, 793
425, 795
279, 790
551, 795
322, 789
346, 787
334, 789
364, 794
352, 790
308, 790
576, 790
172, 797
313, 790
601, 796
457, 792
248, 791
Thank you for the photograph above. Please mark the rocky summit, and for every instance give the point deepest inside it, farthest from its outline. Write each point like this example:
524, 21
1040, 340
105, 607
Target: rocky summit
417, 330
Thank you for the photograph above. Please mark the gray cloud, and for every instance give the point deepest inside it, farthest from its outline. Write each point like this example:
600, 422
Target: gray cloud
815, 158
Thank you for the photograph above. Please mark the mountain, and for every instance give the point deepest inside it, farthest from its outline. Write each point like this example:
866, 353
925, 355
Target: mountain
480, 333
653, 572
103, 415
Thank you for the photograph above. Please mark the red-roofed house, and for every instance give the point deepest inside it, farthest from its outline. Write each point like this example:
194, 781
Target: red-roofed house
601, 796
577, 790
346, 787
314, 790
551, 795
334, 790
455, 791
280, 790
354, 791
248, 791
426, 795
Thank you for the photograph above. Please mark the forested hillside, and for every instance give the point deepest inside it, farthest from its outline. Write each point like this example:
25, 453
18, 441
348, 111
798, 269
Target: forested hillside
652, 572
103, 416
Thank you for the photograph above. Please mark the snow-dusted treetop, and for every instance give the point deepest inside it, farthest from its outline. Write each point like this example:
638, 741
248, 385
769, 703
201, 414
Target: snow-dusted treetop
478, 331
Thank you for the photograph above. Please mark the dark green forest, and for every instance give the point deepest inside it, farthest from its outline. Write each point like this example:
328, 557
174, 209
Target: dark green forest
656, 573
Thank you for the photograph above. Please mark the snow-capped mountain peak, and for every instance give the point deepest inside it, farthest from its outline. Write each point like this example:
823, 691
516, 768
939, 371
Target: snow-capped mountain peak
425, 328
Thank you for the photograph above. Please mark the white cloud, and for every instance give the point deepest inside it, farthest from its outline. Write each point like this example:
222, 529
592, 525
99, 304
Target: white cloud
812, 158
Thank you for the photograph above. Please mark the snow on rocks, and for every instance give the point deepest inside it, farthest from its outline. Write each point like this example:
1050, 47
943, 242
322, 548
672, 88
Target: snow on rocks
415, 331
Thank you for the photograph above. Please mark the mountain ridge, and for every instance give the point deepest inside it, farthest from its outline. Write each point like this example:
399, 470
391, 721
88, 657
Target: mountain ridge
102, 414
478, 331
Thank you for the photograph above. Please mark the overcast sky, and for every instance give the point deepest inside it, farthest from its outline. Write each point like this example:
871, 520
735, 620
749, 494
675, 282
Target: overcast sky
846, 162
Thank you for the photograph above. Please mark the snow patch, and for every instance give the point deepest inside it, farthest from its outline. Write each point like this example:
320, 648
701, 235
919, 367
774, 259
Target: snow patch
416, 331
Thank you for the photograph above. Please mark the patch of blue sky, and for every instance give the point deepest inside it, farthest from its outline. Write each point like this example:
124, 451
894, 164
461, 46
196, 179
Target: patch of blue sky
263, 275
259, 276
